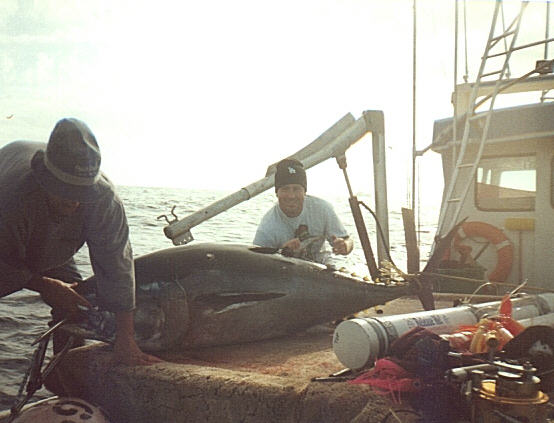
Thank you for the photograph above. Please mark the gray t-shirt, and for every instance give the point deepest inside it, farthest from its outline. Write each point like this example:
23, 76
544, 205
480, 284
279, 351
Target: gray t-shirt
34, 242
317, 216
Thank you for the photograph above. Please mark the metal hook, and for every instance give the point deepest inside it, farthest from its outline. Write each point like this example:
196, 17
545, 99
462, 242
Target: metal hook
164, 216
517, 288
35, 374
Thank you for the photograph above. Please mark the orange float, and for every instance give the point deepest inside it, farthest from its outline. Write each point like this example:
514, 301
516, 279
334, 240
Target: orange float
504, 247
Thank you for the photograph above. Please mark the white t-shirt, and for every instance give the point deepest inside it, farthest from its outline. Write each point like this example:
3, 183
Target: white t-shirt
317, 215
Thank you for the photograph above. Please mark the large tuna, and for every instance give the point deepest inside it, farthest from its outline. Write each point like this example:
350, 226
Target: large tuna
214, 294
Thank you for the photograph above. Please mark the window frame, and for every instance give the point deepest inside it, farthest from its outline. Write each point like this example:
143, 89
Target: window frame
486, 209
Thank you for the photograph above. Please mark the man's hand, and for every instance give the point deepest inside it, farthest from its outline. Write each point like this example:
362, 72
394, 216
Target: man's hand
292, 244
342, 245
127, 352
291, 248
125, 348
58, 294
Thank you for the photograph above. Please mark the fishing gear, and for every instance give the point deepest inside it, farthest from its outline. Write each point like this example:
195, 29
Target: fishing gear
35, 375
501, 391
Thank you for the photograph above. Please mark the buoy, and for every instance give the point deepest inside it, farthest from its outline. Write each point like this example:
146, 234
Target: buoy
61, 410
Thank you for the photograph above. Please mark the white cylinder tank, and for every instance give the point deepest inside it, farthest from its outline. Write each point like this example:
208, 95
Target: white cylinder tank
358, 342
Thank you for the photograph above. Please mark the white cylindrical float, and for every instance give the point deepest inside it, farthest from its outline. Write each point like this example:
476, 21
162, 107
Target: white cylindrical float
358, 342
543, 320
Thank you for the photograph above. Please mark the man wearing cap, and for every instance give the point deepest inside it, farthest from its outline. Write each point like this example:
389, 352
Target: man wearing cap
53, 199
299, 218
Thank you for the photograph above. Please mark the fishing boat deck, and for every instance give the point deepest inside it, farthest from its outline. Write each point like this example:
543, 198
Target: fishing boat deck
265, 381
268, 381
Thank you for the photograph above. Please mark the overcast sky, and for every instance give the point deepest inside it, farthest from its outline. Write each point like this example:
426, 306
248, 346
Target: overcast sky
207, 94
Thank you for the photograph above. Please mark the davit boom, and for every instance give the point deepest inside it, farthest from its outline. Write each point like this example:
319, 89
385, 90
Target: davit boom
210, 294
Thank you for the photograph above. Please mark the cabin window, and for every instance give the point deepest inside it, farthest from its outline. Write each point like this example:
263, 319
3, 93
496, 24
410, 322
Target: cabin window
506, 183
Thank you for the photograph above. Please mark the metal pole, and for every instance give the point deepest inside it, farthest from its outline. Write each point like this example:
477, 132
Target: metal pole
332, 143
360, 224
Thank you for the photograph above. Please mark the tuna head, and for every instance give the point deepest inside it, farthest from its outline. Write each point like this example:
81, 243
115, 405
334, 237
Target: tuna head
161, 318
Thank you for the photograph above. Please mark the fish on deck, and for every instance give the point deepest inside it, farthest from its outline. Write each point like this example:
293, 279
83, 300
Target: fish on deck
210, 294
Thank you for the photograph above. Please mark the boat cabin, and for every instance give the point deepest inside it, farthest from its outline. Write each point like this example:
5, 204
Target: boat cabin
511, 193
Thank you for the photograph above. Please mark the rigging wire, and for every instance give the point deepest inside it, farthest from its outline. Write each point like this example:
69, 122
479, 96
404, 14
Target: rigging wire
380, 231
418, 234
455, 102
547, 30
466, 75
414, 80
455, 76
415, 184
546, 37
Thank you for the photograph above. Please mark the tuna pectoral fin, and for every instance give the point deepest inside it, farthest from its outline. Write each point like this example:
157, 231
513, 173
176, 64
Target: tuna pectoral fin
221, 301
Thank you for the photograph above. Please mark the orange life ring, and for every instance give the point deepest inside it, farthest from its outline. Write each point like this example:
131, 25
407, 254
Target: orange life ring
504, 247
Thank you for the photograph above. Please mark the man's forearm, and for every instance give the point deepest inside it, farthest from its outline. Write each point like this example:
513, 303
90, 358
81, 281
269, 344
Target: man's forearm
125, 347
36, 283
125, 328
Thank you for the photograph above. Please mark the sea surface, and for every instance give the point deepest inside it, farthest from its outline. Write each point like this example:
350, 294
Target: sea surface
23, 316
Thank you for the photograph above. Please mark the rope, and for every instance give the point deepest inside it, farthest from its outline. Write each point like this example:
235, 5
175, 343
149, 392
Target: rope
380, 230
480, 281
394, 414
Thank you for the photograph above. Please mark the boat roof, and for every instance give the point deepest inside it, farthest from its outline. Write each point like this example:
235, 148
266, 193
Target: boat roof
524, 122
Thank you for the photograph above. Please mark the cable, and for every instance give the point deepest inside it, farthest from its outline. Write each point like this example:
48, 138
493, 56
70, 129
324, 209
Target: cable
393, 413
380, 232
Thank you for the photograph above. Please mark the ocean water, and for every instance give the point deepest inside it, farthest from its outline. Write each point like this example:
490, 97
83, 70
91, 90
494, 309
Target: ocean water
23, 316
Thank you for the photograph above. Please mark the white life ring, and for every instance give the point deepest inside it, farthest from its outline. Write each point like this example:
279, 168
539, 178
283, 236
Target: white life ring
504, 247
